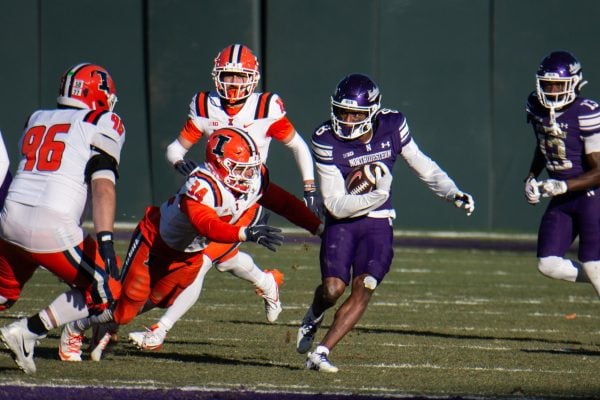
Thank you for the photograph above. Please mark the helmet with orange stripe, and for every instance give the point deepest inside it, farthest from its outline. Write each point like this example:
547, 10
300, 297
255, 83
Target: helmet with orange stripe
87, 86
235, 73
232, 156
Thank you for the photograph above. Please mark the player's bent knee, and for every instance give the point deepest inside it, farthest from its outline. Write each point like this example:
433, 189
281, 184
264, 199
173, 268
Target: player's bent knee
332, 292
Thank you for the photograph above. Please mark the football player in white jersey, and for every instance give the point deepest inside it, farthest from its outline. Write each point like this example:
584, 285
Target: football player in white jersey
66, 153
263, 116
5, 175
171, 244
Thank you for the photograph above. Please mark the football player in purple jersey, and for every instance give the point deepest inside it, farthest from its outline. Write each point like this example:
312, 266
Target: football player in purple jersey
567, 129
356, 247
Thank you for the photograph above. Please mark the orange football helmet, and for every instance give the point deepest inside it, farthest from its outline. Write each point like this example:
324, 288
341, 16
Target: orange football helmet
232, 156
87, 86
233, 61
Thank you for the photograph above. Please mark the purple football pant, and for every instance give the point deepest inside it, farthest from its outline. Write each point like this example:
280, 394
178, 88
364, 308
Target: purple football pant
352, 247
4, 188
568, 216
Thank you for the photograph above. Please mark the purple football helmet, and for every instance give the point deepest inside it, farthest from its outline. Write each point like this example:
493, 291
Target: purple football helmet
353, 105
558, 80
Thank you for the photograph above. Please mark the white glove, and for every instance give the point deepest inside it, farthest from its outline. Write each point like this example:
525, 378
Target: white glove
552, 187
464, 201
532, 191
383, 177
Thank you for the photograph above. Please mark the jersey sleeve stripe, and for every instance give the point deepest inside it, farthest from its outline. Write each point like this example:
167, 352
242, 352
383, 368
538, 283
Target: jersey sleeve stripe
94, 116
202, 104
590, 122
322, 153
262, 110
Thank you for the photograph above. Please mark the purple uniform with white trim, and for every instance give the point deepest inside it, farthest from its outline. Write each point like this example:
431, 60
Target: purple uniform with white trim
363, 244
574, 213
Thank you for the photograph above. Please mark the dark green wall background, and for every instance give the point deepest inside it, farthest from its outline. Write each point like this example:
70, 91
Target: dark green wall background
459, 69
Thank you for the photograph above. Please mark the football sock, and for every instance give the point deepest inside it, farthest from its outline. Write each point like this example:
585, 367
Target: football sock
322, 350
592, 269
186, 299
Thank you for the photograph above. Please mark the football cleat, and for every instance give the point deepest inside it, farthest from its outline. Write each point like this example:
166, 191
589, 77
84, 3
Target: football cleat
21, 342
71, 339
271, 297
306, 333
101, 337
152, 339
320, 362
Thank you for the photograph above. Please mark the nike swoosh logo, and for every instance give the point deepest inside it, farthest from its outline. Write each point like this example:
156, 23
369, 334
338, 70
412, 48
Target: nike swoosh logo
23, 347
247, 125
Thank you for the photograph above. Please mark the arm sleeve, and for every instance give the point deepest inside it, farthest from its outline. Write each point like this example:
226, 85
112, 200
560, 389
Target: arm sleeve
338, 202
429, 172
208, 224
291, 208
302, 155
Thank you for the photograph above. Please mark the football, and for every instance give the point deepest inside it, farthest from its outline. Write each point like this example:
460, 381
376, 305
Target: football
361, 179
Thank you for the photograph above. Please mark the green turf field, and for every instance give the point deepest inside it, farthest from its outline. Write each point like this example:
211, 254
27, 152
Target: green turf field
444, 323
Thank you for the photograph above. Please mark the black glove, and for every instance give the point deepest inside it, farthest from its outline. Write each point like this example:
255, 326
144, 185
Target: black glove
264, 234
185, 167
314, 202
106, 248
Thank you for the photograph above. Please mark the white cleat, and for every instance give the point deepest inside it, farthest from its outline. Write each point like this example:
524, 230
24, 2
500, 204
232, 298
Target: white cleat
320, 362
71, 339
151, 339
101, 336
271, 297
21, 342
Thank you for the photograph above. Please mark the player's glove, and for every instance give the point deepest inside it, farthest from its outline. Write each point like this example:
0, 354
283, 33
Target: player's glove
265, 235
552, 187
532, 191
313, 200
464, 201
106, 248
185, 167
383, 177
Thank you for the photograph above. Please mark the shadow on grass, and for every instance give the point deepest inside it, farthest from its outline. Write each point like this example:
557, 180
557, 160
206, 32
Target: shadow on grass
562, 352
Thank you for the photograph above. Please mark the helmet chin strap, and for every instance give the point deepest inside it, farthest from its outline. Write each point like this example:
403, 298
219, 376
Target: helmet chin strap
552, 116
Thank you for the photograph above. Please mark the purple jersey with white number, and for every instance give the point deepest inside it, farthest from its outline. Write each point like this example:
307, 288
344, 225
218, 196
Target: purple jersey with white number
573, 213
351, 247
390, 135
562, 145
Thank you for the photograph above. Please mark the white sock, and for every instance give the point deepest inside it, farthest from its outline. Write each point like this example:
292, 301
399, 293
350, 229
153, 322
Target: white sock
67, 307
592, 269
186, 299
322, 350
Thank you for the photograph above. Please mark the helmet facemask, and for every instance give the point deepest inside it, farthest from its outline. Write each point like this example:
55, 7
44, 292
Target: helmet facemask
242, 177
235, 85
556, 92
351, 128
